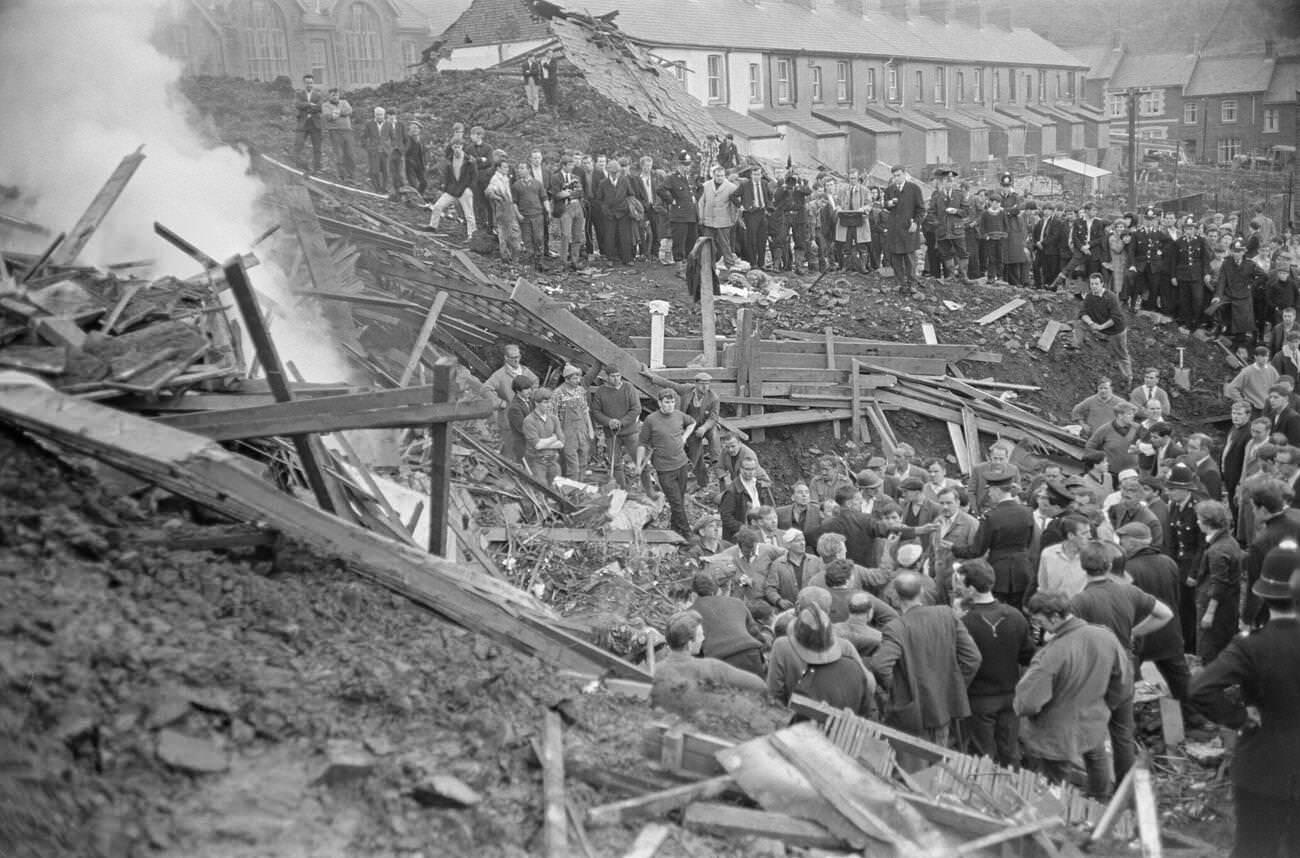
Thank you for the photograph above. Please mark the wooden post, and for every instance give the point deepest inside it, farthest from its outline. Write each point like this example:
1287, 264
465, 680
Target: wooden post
246, 300
830, 364
748, 375
439, 464
98, 209
708, 322
426, 331
658, 310
555, 820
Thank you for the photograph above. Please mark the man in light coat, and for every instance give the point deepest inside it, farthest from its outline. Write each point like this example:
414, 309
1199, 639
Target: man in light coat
717, 211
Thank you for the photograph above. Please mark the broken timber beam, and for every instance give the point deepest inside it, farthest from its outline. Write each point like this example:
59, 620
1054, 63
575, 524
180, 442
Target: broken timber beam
204, 472
422, 340
708, 321
584, 535
658, 803
1054, 327
328, 414
98, 209
729, 821
555, 819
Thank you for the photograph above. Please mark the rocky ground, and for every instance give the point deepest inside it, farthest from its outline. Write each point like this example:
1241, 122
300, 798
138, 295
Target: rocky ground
158, 702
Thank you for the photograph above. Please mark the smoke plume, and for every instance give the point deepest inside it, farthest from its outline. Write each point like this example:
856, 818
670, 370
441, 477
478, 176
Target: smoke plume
83, 86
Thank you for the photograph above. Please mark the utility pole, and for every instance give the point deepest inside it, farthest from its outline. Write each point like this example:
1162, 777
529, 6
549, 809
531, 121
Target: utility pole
1131, 100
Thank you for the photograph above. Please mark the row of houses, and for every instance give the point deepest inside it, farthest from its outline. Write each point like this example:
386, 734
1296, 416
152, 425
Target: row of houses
1215, 106
847, 83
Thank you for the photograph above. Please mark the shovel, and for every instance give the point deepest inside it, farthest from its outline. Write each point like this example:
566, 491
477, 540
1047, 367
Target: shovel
1182, 375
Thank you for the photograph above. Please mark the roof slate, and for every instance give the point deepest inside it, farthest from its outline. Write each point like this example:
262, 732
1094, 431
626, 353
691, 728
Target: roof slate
492, 22
1142, 70
1101, 60
1239, 74
803, 121
904, 114
1286, 80
739, 123
845, 116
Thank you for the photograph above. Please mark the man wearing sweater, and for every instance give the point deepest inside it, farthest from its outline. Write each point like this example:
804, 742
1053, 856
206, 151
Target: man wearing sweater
1096, 410
1252, 383
684, 669
1103, 316
616, 409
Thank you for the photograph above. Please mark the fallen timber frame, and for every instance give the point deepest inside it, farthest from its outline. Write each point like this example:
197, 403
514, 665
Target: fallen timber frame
202, 471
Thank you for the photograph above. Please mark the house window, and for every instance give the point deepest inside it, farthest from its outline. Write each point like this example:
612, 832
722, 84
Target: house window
893, 83
784, 87
410, 56
714, 75
1271, 120
870, 85
997, 85
1191, 113
318, 53
817, 83
755, 84
918, 88
940, 85
1228, 111
979, 86
1116, 105
1069, 86
843, 82
1151, 102
1011, 86
1042, 86
678, 68
1059, 88
364, 52
268, 47
1229, 148
960, 87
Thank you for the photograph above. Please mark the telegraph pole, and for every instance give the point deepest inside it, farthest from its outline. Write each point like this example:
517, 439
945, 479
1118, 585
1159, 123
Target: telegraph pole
1130, 98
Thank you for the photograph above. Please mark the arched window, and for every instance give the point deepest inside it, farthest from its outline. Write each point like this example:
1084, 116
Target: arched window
268, 46
364, 50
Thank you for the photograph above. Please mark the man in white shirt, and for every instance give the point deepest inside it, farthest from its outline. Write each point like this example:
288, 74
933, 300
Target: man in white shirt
1058, 566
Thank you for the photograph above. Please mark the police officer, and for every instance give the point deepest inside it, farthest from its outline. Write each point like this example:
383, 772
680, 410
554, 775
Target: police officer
1148, 262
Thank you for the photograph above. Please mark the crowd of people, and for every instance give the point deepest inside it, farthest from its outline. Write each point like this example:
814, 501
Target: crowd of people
1007, 614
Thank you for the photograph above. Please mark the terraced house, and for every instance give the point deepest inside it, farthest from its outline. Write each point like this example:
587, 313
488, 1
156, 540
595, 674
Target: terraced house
849, 83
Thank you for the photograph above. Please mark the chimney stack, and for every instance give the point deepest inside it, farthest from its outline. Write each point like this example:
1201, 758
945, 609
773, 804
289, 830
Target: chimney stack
1270, 49
939, 10
969, 12
896, 8
999, 14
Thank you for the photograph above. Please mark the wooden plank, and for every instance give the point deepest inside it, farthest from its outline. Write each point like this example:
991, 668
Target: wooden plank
60, 331
308, 457
928, 334
659, 803
930, 752
728, 821
40, 262
959, 448
1171, 722
1009, 307
204, 472
1118, 803
474, 271
881, 424
648, 841
813, 342
699, 751
111, 320
555, 819
582, 335
1048, 336
860, 433
440, 463
582, 535
422, 340
1148, 815
789, 418
708, 318
971, 428
774, 364
98, 209
830, 364
579, 832
1014, 832
269, 420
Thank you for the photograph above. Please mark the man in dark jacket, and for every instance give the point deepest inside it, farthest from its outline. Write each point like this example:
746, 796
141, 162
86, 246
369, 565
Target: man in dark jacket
614, 193
949, 210
307, 103
905, 210
1155, 573
1191, 275
457, 186
756, 198
616, 409
1005, 535
1254, 688
860, 530
1276, 521
677, 192
1103, 316
1148, 261
730, 632
481, 154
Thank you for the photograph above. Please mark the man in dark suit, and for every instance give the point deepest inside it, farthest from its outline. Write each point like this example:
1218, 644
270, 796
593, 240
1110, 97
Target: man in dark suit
597, 240
392, 139
481, 154
1284, 420
542, 174
677, 194
801, 513
613, 194
1005, 535
646, 184
377, 157
1191, 275
1251, 687
905, 210
1087, 244
1276, 521
307, 102
860, 530
1044, 238
1200, 459
756, 195
1233, 459
1159, 451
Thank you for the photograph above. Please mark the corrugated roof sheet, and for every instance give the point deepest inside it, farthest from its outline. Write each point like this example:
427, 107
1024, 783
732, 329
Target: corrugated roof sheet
1022, 115
1073, 166
491, 22
990, 117
803, 121
1285, 82
1239, 74
782, 26
953, 118
1153, 70
739, 123
845, 116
